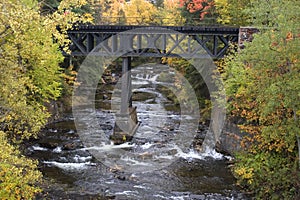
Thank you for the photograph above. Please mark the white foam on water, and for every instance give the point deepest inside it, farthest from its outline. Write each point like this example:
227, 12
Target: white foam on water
57, 150
71, 131
109, 182
53, 130
127, 192
124, 145
38, 148
188, 117
146, 145
147, 77
174, 116
230, 158
153, 79
69, 166
110, 146
192, 154
139, 82
140, 186
160, 196
179, 197
213, 154
133, 176
138, 76
78, 158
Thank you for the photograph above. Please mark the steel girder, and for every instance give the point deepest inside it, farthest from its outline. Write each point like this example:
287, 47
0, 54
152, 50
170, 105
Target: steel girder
145, 41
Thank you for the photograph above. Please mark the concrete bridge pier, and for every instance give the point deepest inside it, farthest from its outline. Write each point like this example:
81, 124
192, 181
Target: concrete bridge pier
126, 121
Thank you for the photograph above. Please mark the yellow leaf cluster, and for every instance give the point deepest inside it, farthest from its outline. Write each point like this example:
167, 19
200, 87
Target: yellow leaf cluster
245, 173
18, 175
170, 14
134, 12
30, 76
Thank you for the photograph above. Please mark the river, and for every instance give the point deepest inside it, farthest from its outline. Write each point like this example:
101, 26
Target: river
71, 171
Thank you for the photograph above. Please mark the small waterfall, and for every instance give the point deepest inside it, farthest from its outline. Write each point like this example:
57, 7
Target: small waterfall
141, 78
208, 146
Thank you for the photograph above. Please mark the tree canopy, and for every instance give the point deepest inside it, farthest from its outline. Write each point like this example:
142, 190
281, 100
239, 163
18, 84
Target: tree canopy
30, 76
263, 89
262, 80
194, 11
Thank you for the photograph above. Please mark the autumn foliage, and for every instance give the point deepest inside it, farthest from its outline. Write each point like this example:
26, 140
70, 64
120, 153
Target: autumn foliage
201, 7
263, 87
30, 77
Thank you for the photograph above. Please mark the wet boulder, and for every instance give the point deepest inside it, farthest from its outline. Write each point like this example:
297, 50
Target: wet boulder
51, 144
72, 145
230, 140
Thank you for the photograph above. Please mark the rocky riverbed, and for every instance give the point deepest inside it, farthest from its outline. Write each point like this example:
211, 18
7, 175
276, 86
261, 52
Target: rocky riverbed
72, 170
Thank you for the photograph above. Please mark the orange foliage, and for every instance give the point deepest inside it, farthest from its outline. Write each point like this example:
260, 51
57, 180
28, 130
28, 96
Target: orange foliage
193, 6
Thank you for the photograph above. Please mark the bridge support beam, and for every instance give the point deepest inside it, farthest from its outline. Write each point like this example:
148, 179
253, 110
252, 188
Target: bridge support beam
126, 121
126, 100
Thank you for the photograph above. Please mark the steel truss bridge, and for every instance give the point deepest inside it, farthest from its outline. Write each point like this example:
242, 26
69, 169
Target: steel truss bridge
194, 42
153, 41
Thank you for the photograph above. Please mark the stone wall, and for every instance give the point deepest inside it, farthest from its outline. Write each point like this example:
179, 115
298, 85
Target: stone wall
246, 35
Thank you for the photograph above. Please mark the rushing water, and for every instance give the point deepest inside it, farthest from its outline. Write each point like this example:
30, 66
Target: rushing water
74, 173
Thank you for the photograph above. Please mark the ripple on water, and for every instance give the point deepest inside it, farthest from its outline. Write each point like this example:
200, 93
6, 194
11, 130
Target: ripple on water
70, 166
38, 148
57, 150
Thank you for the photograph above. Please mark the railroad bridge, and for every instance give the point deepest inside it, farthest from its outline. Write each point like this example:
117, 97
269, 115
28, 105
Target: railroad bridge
155, 41
126, 41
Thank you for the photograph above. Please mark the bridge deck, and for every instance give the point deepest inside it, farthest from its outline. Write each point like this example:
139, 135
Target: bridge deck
182, 29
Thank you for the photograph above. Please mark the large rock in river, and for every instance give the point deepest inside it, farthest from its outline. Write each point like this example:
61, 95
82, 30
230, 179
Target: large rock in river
230, 139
